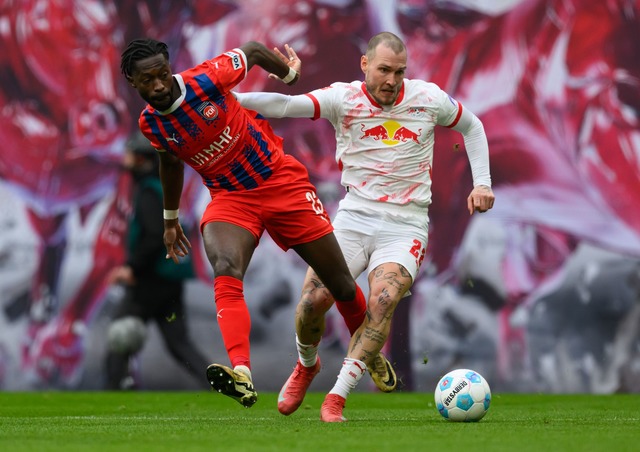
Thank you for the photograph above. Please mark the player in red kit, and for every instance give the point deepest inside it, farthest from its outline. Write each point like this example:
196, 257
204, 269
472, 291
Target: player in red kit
193, 117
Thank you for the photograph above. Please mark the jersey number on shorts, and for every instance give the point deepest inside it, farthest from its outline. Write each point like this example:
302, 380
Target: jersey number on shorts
418, 251
316, 204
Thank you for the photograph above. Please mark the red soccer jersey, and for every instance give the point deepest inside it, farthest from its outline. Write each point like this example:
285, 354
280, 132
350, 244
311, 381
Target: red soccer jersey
231, 147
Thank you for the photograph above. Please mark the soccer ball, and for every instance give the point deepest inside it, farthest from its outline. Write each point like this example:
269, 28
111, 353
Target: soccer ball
126, 335
463, 395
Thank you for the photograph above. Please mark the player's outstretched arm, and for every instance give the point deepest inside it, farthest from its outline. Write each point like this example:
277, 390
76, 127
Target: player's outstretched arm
276, 105
286, 68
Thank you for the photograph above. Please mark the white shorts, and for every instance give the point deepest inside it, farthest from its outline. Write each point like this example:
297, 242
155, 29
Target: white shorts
370, 239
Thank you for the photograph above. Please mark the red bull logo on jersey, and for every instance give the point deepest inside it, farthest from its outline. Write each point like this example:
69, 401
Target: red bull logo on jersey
390, 133
208, 111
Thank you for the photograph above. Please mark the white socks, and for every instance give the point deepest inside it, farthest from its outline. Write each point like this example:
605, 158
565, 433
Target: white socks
307, 354
349, 376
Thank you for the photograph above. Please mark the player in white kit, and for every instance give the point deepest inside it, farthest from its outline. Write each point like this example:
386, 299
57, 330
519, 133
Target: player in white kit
385, 137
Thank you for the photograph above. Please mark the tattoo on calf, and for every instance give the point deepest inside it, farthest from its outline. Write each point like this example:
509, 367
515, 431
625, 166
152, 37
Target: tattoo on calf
374, 335
307, 305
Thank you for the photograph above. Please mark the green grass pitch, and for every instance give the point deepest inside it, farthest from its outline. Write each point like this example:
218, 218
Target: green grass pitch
401, 421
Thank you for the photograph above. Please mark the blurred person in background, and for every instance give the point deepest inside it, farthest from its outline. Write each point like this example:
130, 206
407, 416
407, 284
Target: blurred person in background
154, 286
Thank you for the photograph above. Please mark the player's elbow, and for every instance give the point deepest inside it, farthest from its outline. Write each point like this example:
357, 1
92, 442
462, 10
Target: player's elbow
255, 52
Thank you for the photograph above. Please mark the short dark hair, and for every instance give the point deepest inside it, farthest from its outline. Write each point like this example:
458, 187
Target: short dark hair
388, 39
139, 49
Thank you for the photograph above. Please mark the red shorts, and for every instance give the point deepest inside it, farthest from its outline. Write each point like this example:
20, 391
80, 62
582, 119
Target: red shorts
286, 205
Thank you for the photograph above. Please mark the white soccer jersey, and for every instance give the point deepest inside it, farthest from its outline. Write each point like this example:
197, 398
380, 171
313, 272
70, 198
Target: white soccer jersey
386, 153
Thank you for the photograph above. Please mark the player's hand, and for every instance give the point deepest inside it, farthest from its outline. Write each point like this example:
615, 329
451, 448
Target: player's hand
175, 241
481, 199
290, 59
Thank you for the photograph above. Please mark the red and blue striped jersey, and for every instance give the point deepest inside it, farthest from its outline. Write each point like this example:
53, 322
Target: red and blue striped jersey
231, 147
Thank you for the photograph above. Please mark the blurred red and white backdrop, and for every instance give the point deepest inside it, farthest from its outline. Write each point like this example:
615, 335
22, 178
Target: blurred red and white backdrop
540, 294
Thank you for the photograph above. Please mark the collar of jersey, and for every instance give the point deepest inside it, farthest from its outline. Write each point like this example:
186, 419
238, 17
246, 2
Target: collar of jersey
376, 104
178, 101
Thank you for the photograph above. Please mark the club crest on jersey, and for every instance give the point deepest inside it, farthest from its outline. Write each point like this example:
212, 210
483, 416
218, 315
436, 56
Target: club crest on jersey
208, 111
418, 112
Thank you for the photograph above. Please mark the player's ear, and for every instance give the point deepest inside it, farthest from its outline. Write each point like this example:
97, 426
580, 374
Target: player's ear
363, 63
130, 80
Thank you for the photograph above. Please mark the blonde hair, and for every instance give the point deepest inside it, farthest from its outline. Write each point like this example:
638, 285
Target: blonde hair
388, 39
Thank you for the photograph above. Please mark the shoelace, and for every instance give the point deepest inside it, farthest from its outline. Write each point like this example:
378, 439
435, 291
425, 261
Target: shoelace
379, 366
382, 372
243, 381
295, 383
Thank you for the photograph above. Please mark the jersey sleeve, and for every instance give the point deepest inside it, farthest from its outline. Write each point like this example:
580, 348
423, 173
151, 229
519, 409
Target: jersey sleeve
449, 110
146, 131
276, 105
327, 102
227, 69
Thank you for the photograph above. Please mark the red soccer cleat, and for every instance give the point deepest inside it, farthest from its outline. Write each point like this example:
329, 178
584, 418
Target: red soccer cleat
293, 392
331, 410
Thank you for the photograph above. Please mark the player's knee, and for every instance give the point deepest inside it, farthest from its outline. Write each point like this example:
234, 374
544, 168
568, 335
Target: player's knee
314, 304
223, 266
126, 335
344, 289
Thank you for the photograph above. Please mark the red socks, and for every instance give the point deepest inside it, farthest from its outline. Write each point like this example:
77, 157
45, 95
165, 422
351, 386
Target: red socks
235, 322
353, 311
233, 319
